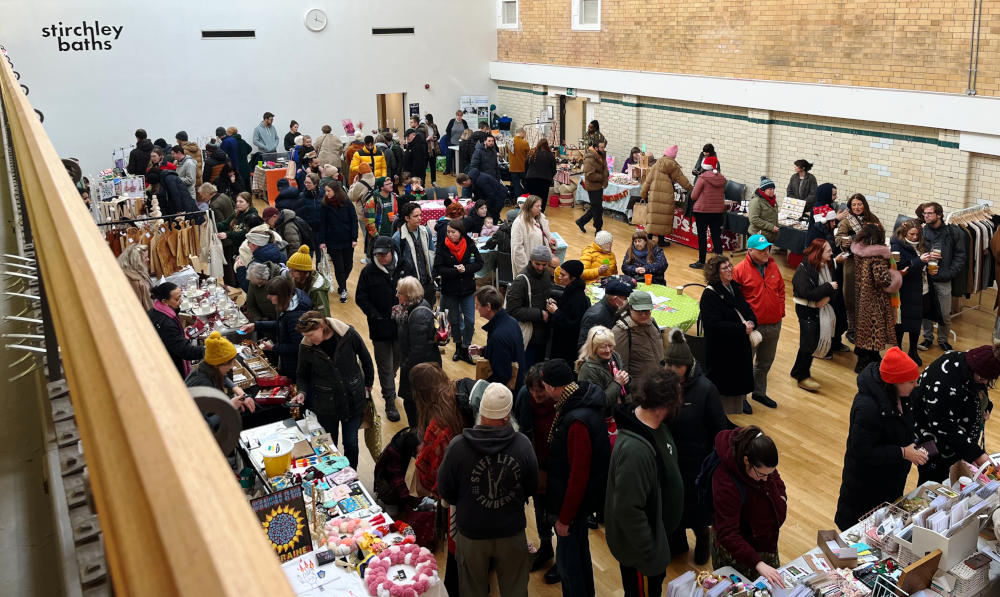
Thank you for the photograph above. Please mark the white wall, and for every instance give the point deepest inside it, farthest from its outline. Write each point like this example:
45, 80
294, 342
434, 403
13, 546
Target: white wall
160, 75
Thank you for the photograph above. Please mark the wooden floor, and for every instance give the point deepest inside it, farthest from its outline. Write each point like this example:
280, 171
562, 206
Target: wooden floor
809, 429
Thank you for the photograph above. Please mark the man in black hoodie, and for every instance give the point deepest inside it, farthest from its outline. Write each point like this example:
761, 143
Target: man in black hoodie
375, 295
138, 159
488, 473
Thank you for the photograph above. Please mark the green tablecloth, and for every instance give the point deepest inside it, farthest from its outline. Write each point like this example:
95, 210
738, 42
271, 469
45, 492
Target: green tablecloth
669, 308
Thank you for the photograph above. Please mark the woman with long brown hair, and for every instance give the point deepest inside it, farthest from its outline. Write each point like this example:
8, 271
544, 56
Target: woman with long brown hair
813, 288
338, 233
417, 338
540, 170
134, 262
917, 302
644, 257
858, 214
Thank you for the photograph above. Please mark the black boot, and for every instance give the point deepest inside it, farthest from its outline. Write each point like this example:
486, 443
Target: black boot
390, 410
913, 354
543, 556
552, 576
701, 546
410, 407
462, 352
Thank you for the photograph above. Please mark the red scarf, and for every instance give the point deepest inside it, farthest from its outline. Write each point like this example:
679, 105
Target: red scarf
773, 201
457, 249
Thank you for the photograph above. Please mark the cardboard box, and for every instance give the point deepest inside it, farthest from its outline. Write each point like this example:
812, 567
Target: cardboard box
954, 549
824, 537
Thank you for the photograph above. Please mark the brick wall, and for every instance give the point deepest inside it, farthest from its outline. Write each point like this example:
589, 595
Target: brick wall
905, 44
894, 166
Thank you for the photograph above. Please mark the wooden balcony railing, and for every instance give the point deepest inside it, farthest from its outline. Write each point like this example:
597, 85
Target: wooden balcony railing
174, 519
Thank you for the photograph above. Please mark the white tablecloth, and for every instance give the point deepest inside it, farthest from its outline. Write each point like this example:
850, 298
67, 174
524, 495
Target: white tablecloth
619, 205
327, 580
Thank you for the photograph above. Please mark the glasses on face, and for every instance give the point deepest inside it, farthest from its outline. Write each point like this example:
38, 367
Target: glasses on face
930, 213
726, 266
759, 475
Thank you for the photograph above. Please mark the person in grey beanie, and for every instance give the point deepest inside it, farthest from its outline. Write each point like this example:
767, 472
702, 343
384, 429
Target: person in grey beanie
527, 298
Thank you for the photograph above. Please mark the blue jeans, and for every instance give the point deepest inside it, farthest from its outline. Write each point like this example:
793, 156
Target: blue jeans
461, 316
576, 570
515, 185
333, 425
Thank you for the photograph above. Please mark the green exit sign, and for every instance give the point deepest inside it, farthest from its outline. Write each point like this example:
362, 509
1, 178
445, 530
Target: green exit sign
571, 92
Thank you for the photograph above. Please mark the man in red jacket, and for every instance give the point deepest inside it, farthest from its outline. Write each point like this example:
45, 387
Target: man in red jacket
764, 289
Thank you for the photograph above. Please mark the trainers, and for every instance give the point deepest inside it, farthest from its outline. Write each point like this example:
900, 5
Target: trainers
343, 296
766, 401
925, 344
697, 265
945, 346
809, 384
390, 410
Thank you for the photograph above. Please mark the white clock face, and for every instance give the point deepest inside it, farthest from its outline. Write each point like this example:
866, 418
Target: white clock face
316, 20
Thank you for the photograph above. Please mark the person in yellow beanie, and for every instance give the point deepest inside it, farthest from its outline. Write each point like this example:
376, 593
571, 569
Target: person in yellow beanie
304, 276
213, 372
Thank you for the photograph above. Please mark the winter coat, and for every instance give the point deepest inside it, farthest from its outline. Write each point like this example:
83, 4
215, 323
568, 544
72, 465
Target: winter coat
453, 282
187, 170
504, 346
289, 141
709, 194
416, 155
288, 198
658, 190
490, 190
644, 499
766, 294
763, 216
473, 223
600, 313
806, 286
873, 281
213, 165
201, 377
804, 188
585, 407
142, 286
485, 160
874, 468
694, 430
525, 237
138, 158
519, 156
318, 291
286, 337
641, 346
375, 295
598, 372
243, 163
529, 308
231, 148
423, 269
288, 228
268, 253
728, 354
192, 150
595, 171
329, 148
488, 474
335, 386
222, 206
172, 335
565, 322
658, 267
235, 227
745, 527
953, 252
257, 305
310, 210
949, 408
466, 149
338, 226
417, 342
352, 148
179, 198
593, 257
373, 158
542, 166
911, 293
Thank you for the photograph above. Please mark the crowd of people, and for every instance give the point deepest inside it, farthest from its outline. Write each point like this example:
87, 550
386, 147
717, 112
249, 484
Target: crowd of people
587, 411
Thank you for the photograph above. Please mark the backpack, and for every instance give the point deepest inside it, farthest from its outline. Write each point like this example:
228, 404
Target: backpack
703, 482
305, 232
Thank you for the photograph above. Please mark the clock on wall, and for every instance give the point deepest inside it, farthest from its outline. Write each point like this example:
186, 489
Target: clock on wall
316, 20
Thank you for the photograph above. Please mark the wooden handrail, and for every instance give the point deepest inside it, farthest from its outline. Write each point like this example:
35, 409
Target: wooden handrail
174, 519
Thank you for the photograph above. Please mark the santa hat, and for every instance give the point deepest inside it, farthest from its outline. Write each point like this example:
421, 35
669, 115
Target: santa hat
823, 213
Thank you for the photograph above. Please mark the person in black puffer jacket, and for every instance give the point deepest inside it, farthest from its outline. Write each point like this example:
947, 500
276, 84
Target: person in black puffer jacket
375, 295
163, 315
288, 196
541, 164
456, 262
290, 303
417, 342
880, 444
177, 199
215, 160
138, 158
566, 313
334, 375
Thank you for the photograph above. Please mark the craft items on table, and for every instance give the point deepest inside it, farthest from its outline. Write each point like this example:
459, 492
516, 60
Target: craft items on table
210, 304
402, 571
283, 516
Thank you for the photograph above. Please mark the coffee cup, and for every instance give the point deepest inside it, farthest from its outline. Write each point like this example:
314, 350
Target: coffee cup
680, 290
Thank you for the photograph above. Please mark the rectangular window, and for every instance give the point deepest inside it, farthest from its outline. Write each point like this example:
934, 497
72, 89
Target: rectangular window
507, 14
587, 15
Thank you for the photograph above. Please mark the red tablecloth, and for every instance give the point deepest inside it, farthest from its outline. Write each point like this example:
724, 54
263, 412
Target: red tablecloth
432, 209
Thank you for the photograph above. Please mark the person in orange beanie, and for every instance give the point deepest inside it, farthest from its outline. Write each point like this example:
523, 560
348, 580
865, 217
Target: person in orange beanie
880, 442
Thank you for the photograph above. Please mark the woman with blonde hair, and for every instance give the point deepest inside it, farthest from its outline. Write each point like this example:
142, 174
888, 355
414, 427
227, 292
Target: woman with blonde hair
600, 364
529, 230
417, 338
134, 262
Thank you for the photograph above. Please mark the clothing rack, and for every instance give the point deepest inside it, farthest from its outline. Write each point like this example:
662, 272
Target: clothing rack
169, 217
982, 210
975, 209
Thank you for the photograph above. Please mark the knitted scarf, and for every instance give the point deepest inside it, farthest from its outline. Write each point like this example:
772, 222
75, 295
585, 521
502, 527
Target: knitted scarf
827, 318
457, 249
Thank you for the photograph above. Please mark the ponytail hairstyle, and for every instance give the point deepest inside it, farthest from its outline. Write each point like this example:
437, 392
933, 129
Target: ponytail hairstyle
758, 448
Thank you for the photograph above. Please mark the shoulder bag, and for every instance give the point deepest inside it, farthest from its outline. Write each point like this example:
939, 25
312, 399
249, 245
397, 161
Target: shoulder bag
755, 336
526, 326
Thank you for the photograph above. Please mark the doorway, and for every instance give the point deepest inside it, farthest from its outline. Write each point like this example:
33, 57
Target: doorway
575, 127
390, 112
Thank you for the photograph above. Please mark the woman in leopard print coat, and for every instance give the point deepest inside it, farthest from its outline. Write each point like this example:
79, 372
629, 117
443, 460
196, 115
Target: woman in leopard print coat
874, 282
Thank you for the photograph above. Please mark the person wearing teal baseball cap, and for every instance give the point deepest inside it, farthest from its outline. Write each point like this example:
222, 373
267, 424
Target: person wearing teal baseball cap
764, 288
763, 210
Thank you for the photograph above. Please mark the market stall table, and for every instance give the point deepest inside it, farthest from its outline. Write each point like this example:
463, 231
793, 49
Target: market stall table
433, 209
490, 256
670, 309
266, 181
617, 197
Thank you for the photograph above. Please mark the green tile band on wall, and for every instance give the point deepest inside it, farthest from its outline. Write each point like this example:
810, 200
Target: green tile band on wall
789, 123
